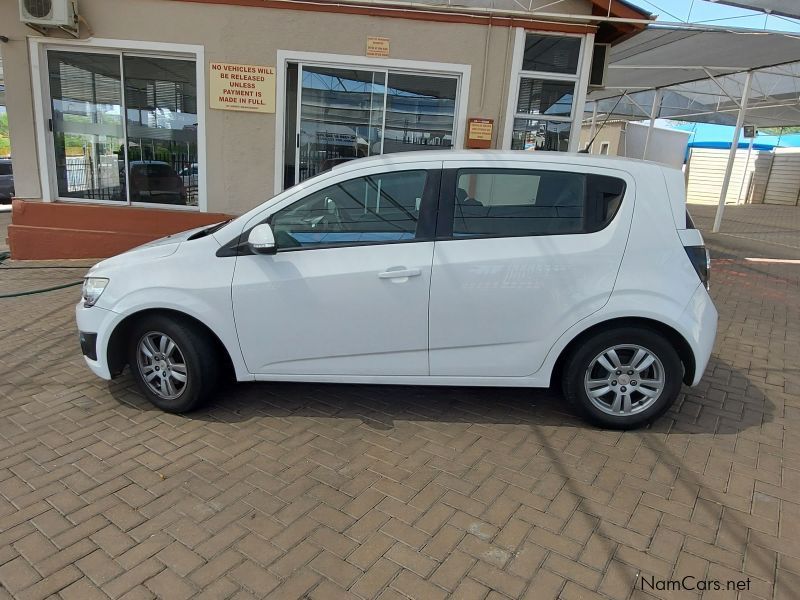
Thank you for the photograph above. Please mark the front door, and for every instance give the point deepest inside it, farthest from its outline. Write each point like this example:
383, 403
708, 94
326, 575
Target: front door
526, 254
347, 291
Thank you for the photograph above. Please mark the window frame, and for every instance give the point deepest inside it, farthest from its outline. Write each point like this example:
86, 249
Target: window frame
42, 106
446, 213
461, 72
580, 79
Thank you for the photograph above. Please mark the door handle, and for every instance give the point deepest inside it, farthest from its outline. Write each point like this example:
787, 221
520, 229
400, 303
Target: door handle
396, 273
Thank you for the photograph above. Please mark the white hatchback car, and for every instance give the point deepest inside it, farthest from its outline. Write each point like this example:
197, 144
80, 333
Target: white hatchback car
433, 268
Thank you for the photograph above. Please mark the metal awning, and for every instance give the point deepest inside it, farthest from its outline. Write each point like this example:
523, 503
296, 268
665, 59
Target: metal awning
701, 73
686, 72
783, 8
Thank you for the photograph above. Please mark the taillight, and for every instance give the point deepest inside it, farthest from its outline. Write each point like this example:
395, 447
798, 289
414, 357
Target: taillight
701, 261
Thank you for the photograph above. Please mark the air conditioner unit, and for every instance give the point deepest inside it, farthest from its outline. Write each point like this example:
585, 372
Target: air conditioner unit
49, 13
599, 70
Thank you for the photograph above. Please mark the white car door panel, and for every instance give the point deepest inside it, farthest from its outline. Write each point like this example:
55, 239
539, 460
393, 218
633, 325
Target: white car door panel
498, 304
359, 310
347, 292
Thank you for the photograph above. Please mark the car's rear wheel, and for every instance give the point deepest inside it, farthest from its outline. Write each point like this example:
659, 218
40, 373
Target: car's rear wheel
173, 362
623, 378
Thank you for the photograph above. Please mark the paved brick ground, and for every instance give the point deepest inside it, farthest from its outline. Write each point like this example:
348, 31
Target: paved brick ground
326, 491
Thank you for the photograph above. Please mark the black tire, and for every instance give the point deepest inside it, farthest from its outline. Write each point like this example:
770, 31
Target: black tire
582, 358
199, 355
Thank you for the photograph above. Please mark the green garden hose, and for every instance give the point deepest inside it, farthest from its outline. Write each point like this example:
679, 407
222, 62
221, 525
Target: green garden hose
5, 255
41, 291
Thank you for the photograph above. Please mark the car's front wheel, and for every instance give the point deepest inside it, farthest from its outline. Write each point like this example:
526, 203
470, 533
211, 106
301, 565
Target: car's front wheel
173, 362
623, 378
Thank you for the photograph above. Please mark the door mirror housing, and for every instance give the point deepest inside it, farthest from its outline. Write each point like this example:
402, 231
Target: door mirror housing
261, 239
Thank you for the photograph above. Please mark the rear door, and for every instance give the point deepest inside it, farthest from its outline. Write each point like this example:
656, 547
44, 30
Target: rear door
523, 252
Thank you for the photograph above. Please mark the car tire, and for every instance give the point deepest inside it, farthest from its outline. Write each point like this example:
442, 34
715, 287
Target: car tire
623, 378
173, 342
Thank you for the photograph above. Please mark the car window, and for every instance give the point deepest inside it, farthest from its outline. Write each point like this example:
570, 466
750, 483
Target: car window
604, 195
517, 202
5, 168
374, 208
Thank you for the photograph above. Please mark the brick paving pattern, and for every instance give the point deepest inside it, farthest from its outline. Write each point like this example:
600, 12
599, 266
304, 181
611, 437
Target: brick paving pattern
338, 491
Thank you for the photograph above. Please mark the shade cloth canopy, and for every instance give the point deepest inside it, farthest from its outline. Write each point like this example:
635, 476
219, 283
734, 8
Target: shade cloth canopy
701, 74
784, 8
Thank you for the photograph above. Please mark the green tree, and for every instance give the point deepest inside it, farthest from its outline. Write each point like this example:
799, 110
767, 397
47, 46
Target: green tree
779, 130
5, 139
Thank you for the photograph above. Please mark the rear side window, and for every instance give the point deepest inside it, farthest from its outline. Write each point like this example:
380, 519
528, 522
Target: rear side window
5, 168
517, 202
604, 197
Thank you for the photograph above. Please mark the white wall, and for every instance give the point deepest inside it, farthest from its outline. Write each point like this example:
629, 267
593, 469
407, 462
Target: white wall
667, 146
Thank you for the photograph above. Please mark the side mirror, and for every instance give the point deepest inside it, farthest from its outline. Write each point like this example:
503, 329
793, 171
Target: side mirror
261, 239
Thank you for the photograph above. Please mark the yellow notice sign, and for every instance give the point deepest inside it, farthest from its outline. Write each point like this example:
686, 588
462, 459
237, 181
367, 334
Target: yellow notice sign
378, 46
480, 129
248, 88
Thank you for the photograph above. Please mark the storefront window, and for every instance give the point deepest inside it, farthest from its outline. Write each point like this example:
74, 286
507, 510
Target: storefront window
159, 132
347, 113
161, 109
540, 97
546, 88
530, 134
87, 124
420, 113
551, 54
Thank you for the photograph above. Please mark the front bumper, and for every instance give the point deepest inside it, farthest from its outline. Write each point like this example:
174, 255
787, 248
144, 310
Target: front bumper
97, 322
700, 316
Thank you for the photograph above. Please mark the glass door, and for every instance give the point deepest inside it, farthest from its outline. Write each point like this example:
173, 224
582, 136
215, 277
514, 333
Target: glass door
339, 113
340, 116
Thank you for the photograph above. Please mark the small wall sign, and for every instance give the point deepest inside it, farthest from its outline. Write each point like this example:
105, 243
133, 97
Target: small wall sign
249, 88
378, 46
479, 133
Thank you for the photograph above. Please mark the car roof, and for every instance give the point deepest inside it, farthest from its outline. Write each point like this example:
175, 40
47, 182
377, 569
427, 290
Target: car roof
519, 156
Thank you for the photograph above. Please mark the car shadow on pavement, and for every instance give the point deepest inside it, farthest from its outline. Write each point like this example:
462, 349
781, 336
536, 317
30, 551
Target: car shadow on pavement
725, 402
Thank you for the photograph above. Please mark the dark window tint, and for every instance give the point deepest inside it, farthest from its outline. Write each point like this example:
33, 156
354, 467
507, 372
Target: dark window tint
519, 202
374, 208
5, 168
604, 195
551, 53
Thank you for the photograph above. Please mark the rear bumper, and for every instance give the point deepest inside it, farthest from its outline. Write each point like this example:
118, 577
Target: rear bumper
699, 319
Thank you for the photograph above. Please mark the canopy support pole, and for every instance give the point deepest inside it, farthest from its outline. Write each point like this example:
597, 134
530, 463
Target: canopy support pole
654, 111
593, 128
732, 154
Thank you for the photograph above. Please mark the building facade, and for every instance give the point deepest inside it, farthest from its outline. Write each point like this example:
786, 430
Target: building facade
167, 114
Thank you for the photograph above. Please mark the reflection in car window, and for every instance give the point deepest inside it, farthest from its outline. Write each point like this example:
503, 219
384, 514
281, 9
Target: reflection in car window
374, 208
518, 202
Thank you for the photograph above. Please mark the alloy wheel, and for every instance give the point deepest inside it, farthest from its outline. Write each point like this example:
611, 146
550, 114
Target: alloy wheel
162, 365
624, 380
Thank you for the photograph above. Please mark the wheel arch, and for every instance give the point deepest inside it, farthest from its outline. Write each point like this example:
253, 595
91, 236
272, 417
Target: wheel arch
682, 347
116, 351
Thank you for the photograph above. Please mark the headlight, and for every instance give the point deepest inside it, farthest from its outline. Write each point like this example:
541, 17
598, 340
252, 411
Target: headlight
92, 289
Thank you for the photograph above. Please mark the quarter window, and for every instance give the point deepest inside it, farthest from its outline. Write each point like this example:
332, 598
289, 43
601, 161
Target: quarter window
516, 202
369, 209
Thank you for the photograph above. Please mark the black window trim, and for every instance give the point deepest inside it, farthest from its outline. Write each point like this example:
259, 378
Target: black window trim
426, 223
446, 217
